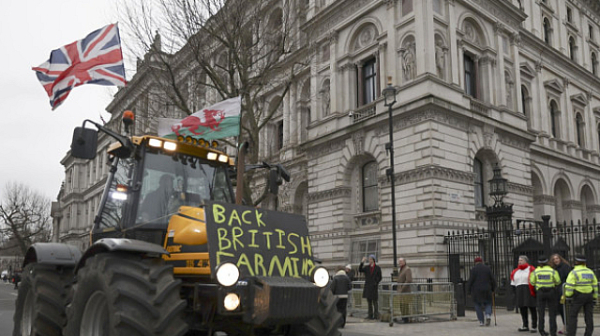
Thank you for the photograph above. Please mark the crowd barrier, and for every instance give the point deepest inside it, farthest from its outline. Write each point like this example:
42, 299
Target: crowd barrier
423, 301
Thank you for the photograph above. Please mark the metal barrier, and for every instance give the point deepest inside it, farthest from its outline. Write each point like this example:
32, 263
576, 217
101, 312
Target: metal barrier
424, 301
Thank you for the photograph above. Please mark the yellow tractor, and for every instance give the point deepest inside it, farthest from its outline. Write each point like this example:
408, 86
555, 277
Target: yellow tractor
172, 254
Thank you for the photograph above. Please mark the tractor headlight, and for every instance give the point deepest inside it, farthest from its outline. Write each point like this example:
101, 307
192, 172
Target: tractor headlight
228, 274
321, 277
231, 301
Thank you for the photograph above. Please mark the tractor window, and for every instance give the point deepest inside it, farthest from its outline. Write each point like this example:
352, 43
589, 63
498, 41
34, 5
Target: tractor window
112, 211
169, 182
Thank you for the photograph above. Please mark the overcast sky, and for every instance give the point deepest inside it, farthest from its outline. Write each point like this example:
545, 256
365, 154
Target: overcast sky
34, 139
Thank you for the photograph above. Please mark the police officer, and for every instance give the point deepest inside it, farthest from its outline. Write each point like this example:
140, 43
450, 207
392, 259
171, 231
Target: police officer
582, 288
545, 279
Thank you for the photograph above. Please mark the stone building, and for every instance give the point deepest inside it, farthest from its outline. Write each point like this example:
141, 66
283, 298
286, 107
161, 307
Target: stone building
480, 82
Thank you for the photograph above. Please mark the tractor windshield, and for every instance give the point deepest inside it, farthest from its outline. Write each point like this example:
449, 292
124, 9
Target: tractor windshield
170, 181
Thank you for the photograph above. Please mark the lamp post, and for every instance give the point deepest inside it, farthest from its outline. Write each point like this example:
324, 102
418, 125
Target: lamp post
390, 99
498, 186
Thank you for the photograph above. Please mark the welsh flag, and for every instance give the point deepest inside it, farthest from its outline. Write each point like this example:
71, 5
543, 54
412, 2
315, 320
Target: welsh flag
218, 121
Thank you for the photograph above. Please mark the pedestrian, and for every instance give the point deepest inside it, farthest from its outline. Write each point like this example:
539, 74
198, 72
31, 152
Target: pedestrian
582, 289
524, 292
340, 286
545, 280
404, 287
563, 268
370, 292
481, 286
350, 272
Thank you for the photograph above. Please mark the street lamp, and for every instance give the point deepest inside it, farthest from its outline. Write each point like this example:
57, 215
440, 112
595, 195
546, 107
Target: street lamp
390, 99
498, 186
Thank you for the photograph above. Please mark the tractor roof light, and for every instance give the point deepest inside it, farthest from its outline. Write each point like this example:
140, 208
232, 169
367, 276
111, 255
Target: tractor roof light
155, 143
223, 158
170, 146
231, 301
212, 156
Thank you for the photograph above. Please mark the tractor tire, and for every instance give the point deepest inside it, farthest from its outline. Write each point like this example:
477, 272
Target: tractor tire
327, 321
40, 305
128, 295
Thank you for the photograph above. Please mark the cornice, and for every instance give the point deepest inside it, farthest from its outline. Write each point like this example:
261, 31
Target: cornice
544, 199
329, 194
329, 18
429, 172
517, 188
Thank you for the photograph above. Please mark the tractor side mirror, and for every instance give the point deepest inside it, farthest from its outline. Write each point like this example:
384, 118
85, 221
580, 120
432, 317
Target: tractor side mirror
84, 143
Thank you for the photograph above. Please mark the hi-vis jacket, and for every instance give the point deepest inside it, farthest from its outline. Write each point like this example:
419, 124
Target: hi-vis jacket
544, 277
583, 280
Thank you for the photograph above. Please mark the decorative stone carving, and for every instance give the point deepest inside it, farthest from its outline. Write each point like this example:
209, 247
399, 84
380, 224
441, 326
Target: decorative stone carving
358, 138
470, 33
544, 199
333, 36
325, 97
365, 37
409, 61
509, 89
428, 172
440, 57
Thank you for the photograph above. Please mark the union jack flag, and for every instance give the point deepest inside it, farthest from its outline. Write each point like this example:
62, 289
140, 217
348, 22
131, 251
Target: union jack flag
96, 59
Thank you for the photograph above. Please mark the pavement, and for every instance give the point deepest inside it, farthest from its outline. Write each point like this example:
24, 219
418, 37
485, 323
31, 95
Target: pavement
504, 323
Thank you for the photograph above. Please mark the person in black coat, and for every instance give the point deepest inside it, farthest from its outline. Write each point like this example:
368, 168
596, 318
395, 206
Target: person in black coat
372, 278
480, 286
340, 285
563, 268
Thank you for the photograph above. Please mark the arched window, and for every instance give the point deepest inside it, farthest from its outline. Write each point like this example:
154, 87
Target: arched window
547, 32
369, 187
478, 171
470, 76
525, 101
594, 64
572, 48
580, 130
554, 119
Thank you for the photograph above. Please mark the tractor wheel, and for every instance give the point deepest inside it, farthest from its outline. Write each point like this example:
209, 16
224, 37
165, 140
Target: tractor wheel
125, 294
40, 306
327, 321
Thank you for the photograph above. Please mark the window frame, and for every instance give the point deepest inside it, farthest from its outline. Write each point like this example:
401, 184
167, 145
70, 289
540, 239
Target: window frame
369, 81
478, 184
470, 75
367, 189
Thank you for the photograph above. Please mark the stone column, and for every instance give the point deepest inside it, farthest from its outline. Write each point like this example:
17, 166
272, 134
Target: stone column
567, 131
314, 114
454, 56
562, 29
389, 48
294, 112
536, 19
501, 80
359, 76
461, 65
424, 39
286, 120
540, 111
515, 43
333, 79
591, 129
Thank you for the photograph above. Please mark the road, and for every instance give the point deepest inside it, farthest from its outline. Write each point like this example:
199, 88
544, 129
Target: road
7, 307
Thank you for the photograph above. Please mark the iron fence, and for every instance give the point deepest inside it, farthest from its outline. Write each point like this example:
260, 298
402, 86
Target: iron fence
501, 247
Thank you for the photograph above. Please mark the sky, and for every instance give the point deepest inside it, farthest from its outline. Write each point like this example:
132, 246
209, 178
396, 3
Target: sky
33, 138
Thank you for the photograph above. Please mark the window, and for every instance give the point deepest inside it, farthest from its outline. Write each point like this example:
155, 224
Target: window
369, 187
547, 32
470, 77
407, 6
598, 131
591, 32
525, 102
478, 170
364, 248
569, 15
594, 64
369, 81
572, 48
580, 129
280, 135
554, 119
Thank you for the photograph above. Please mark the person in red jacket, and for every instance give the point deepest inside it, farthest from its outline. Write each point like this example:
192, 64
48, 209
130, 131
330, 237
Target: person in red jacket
525, 293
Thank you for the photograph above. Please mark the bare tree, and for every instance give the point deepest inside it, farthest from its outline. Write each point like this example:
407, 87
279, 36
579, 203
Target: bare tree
24, 216
211, 50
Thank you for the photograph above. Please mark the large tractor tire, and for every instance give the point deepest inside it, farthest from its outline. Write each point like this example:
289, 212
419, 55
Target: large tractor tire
128, 295
40, 306
327, 321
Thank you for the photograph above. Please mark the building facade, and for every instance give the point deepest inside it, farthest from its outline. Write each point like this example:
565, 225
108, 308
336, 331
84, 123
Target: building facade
480, 83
